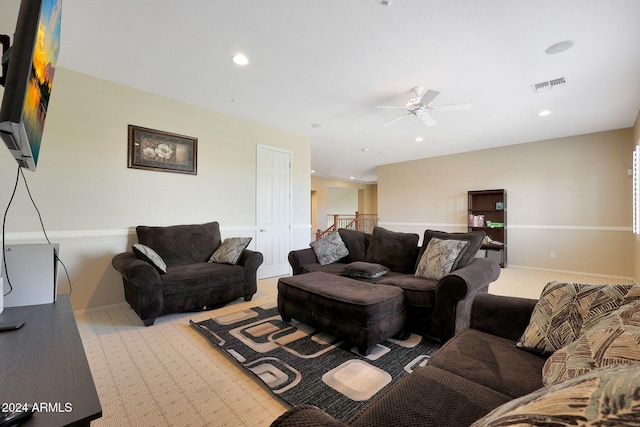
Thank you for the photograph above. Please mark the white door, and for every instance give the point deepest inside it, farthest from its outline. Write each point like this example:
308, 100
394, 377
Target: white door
274, 211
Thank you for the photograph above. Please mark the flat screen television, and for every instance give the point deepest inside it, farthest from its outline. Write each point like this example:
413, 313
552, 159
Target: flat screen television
29, 63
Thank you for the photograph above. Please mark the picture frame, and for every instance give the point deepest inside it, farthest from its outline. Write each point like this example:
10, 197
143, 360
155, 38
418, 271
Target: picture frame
157, 150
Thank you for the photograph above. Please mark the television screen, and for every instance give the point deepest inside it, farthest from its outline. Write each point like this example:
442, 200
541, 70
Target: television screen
31, 65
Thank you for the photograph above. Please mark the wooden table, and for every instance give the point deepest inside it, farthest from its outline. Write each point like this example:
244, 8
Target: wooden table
44, 363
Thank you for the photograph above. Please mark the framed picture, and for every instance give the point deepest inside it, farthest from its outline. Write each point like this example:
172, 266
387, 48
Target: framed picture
162, 151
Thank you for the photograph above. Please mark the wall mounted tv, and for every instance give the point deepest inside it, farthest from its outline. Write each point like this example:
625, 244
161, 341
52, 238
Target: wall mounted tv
28, 68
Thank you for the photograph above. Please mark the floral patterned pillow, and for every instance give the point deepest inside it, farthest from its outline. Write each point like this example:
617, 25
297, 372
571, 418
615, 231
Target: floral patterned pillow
607, 396
147, 254
566, 310
230, 250
613, 340
329, 249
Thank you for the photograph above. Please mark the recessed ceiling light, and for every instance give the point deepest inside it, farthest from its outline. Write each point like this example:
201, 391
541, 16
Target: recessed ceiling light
352, 177
559, 47
313, 171
365, 150
240, 59
419, 139
316, 125
544, 113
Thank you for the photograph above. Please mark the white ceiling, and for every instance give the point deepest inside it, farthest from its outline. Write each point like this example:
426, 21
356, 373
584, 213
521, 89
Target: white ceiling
332, 62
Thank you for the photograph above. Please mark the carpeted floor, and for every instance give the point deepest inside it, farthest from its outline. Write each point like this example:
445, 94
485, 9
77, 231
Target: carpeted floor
168, 375
303, 365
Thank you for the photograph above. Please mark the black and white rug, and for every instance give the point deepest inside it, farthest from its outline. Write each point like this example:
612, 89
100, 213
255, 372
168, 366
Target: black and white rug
302, 365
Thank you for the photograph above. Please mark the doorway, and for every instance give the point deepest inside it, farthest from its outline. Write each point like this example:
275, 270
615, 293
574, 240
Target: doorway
273, 199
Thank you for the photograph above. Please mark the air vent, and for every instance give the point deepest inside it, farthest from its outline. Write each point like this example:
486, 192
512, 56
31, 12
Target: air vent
549, 85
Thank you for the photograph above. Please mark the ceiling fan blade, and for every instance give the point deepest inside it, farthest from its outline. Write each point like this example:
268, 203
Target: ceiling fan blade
428, 120
391, 107
451, 107
395, 120
429, 97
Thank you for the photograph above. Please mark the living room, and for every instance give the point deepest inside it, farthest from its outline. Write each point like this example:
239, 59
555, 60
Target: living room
567, 195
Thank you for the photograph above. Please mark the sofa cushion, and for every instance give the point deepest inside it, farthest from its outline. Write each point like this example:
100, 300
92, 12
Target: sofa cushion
429, 397
365, 270
181, 244
356, 242
613, 340
334, 268
392, 249
491, 361
565, 310
329, 249
191, 279
230, 250
439, 258
417, 291
147, 254
474, 238
604, 397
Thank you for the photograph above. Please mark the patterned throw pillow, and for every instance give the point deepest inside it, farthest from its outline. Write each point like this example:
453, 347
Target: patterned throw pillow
329, 249
364, 270
613, 340
603, 397
147, 254
230, 250
565, 310
439, 258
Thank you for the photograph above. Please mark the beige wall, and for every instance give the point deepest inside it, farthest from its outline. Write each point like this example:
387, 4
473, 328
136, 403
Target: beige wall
636, 140
570, 196
90, 201
367, 200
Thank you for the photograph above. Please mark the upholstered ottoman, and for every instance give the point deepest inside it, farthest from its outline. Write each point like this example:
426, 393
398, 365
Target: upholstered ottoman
362, 313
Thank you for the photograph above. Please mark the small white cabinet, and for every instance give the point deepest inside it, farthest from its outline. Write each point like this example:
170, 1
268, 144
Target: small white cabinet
33, 272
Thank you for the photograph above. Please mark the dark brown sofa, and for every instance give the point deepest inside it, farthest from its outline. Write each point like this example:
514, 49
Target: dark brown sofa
190, 281
478, 370
437, 308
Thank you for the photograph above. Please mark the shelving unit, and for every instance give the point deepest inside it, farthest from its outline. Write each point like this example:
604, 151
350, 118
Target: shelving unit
488, 212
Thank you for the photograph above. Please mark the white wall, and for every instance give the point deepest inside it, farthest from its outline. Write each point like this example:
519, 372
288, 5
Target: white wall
91, 202
571, 196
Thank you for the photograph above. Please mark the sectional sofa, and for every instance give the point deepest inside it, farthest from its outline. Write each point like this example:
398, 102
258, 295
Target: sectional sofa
570, 358
438, 300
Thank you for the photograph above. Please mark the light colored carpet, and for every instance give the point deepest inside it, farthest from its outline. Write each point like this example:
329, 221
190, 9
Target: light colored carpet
168, 375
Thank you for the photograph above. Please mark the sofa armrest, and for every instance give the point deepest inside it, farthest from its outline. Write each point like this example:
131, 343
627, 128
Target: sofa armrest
504, 316
301, 257
135, 270
455, 292
306, 416
250, 261
142, 286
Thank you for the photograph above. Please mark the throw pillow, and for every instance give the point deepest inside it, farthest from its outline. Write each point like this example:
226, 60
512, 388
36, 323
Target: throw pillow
614, 340
439, 258
356, 242
329, 249
392, 249
364, 270
230, 250
564, 309
603, 397
147, 254
474, 238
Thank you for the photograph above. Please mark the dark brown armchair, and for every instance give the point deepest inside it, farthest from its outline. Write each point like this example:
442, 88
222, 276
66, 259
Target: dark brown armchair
180, 276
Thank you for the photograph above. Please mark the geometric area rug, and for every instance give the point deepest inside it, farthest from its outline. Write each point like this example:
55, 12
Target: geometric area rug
303, 365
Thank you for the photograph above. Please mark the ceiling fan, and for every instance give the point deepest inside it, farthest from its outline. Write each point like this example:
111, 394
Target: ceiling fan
420, 107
